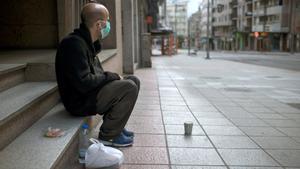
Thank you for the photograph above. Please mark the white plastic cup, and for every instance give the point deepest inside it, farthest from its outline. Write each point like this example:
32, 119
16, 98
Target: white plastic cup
188, 128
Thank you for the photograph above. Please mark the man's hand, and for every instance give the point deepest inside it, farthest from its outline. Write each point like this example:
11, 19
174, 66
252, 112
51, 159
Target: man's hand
110, 76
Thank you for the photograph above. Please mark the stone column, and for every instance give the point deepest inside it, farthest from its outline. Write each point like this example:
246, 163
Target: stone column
66, 18
128, 36
146, 50
136, 33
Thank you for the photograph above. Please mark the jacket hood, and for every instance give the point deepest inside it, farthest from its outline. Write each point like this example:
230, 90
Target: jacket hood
84, 32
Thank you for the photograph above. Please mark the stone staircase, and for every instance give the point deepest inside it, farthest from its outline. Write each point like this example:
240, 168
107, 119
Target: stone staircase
29, 104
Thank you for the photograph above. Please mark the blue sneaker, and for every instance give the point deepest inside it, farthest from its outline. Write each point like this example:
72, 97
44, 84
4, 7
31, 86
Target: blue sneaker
128, 133
120, 141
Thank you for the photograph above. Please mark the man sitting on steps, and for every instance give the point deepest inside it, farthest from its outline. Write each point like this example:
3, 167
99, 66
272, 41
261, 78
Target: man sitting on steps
85, 88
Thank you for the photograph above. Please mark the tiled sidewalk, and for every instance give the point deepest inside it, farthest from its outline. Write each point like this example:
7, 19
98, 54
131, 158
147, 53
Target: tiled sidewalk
242, 116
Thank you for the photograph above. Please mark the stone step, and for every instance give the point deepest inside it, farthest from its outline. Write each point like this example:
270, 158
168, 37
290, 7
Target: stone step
23, 105
31, 150
11, 75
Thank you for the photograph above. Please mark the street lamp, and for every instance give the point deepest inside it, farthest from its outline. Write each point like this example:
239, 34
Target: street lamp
207, 32
189, 35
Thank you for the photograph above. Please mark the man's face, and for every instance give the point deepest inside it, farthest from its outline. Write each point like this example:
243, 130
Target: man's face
104, 25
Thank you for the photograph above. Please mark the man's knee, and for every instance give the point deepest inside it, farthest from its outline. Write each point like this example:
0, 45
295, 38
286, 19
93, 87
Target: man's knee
134, 79
130, 84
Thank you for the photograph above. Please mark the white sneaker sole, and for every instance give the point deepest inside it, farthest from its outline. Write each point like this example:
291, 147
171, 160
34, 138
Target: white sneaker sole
107, 143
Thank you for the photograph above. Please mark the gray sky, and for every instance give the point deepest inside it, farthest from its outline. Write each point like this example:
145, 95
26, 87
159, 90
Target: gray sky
193, 6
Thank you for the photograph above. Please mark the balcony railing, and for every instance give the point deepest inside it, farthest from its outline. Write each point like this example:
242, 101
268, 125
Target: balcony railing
233, 3
233, 16
248, 13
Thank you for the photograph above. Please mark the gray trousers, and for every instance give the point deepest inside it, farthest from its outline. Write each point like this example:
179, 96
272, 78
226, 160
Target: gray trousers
115, 101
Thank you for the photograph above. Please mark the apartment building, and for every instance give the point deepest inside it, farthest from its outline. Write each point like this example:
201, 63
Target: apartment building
242, 13
222, 23
195, 28
204, 25
177, 17
274, 23
269, 25
261, 25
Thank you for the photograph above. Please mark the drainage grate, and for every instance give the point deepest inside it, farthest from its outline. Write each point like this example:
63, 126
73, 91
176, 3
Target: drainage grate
295, 105
273, 77
236, 89
210, 77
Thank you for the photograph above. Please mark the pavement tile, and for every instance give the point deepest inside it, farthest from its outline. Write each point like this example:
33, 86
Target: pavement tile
224, 103
288, 158
226, 109
294, 132
162, 99
203, 108
198, 102
194, 156
144, 167
145, 120
202, 88
241, 115
148, 93
177, 114
249, 122
214, 121
247, 157
145, 155
179, 130
146, 129
146, 102
147, 107
208, 114
258, 110
148, 99
269, 116
291, 116
233, 142
198, 167
149, 140
146, 113
252, 167
223, 130
297, 139
277, 142
188, 141
286, 110
178, 120
282, 123
261, 131
174, 108
173, 103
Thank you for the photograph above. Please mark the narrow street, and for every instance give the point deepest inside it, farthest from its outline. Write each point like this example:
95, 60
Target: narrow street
244, 116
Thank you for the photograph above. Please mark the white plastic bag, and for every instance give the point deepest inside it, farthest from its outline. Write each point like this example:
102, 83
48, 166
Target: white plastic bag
100, 156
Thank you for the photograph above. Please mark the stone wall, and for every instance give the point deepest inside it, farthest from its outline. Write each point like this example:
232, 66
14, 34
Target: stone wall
28, 24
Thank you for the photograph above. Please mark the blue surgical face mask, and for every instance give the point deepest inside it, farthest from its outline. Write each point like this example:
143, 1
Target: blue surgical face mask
105, 31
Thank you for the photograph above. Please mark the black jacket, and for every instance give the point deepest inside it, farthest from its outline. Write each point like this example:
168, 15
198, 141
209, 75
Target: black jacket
79, 73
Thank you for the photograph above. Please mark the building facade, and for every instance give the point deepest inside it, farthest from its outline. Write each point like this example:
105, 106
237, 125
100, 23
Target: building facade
274, 22
177, 17
260, 25
195, 30
242, 12
42, 25
223, 24
206, 27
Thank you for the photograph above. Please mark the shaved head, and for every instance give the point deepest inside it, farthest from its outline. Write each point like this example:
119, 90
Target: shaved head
92, 12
